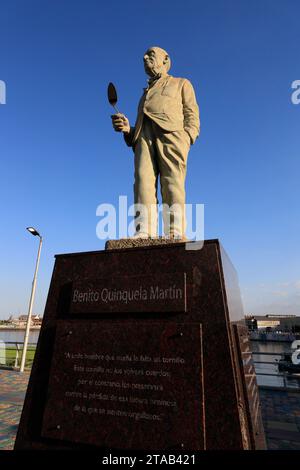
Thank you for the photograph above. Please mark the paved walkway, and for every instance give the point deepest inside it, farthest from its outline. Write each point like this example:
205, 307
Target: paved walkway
281, 418
13, 387
280, 412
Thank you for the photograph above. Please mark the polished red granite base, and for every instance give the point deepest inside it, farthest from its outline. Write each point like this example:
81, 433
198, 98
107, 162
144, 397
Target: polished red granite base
143, 348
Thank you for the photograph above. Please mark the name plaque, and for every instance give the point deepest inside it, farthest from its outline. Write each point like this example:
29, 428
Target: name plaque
157, 293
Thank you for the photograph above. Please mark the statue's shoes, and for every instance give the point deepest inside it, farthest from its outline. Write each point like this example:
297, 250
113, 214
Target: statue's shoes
141, 235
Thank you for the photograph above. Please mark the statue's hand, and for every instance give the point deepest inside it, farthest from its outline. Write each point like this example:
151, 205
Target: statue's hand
120, 123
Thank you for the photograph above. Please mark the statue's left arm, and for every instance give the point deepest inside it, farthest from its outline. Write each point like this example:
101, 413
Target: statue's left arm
190, 111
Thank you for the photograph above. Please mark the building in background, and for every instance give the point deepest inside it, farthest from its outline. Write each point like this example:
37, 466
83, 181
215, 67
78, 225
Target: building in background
21, 320
280, 323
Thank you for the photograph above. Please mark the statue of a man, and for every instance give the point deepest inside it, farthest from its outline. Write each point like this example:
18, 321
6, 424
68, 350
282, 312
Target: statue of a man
167, 124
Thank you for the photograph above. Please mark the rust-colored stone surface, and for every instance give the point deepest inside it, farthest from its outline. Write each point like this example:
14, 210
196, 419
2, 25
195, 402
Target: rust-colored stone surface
231, 414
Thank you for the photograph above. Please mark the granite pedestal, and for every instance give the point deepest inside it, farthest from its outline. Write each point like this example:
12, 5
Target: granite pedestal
143, 348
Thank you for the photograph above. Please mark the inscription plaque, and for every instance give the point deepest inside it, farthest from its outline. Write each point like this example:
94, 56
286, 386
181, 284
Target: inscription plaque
128, 385
166, 292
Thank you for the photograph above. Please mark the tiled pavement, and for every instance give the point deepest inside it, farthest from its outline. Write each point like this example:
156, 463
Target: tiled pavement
280, 410
281, 418
12, 391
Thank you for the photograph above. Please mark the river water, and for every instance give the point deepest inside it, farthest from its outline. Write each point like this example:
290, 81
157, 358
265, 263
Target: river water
13, 335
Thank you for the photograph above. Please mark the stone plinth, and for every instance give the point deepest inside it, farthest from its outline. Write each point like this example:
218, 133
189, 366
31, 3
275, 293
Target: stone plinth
143, 348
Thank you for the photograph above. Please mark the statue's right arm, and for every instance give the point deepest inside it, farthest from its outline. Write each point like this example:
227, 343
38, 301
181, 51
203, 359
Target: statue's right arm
121, 124
128, 136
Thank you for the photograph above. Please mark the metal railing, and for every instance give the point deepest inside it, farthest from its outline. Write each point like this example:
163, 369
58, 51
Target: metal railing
11, 353
285, 380
276, 336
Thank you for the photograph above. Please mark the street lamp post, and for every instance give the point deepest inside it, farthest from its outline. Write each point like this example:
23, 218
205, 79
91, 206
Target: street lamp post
34, 232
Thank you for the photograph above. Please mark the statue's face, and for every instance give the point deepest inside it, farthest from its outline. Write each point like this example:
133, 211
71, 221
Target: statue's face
154, 61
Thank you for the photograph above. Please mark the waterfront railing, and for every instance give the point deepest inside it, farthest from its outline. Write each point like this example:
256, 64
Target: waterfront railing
267, 373
273, 336
11, 353
268, 378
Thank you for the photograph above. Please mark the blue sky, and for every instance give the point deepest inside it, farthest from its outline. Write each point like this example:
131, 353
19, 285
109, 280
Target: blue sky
60, 158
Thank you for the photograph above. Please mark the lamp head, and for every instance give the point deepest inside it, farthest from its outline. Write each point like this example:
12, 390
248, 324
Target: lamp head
33, 231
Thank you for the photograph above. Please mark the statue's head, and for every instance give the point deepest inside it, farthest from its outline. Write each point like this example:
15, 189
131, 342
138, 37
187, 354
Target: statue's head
156, 61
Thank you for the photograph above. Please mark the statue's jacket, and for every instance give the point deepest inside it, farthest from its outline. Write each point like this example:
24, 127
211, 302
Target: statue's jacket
171, 104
